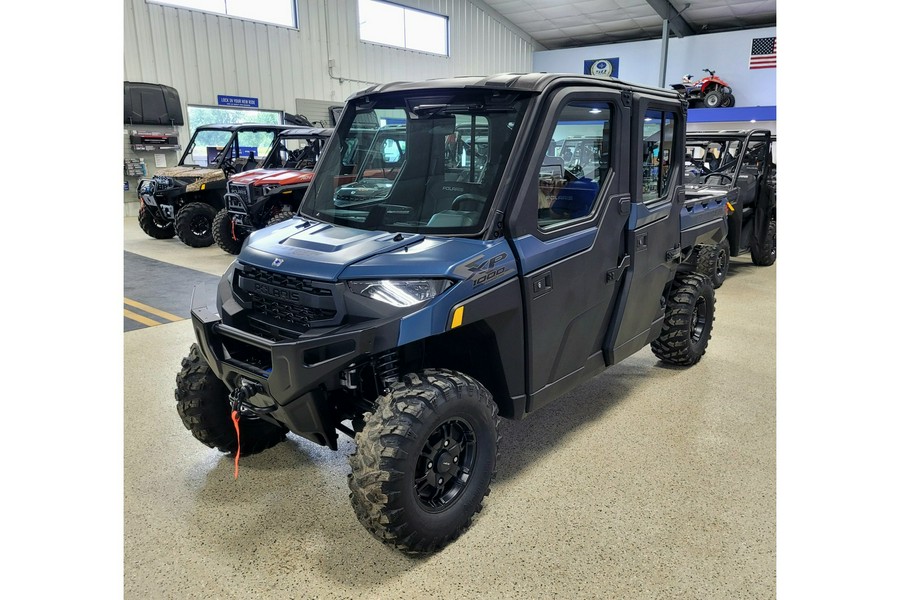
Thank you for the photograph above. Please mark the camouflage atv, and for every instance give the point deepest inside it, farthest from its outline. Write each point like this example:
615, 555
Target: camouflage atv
183, 200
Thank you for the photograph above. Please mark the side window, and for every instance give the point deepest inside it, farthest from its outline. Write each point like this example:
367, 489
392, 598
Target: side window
659, 131
575, 163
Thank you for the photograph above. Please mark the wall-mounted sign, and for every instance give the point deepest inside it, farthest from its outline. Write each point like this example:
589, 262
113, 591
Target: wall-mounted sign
238, 101
602, 67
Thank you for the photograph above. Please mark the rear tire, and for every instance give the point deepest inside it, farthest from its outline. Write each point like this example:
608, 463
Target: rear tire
224, 232
763, 253
713, 262
202, 402
687, 327
152, 228
424, 460
728, 101
194, 224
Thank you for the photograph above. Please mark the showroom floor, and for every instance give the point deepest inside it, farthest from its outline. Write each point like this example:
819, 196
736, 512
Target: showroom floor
647, 482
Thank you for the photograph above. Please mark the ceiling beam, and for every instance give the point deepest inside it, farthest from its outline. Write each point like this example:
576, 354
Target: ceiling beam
677, 24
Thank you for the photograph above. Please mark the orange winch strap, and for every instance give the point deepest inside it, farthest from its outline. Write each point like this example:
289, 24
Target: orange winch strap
234, 417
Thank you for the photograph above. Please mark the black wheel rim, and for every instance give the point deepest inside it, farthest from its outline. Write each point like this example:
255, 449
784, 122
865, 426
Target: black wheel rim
698, 320
200, 225
445, 465
721, 262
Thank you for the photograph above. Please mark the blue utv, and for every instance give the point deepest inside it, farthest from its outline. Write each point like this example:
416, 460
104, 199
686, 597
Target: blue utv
492, 275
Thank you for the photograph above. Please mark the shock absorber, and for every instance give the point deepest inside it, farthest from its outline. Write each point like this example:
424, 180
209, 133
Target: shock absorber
387, 369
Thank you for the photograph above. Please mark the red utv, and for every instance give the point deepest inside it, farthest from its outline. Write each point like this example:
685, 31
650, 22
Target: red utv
262, 197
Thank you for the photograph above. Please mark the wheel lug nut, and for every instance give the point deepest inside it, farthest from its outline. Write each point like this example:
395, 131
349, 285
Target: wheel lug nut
455, 459
446, 443
440, 482
430, 465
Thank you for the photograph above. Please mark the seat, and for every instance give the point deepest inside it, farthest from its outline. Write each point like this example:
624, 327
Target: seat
251, 161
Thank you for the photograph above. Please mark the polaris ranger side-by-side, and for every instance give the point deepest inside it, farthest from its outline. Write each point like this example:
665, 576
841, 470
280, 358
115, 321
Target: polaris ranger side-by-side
262, 197
466, 291
741, 163
183, 200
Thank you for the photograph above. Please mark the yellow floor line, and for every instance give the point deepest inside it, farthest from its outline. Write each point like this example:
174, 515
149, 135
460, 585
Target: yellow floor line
153, 311
140, 318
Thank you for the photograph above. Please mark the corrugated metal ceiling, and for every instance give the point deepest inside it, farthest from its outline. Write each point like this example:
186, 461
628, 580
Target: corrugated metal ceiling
566, 24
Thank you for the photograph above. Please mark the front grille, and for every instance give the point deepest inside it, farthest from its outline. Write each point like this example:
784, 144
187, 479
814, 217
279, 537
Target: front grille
162, 183
243, 191
284, 300
284, 280
294, 315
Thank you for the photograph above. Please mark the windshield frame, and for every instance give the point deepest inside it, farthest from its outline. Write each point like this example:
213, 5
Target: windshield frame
226, 150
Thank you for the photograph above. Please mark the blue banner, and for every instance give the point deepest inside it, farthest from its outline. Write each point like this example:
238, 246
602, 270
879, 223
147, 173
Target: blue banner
239, 101
602, 67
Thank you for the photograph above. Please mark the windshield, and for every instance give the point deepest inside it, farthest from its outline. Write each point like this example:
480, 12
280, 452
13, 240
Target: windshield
704, 157
210, 148
407, 162
295, 153
205, 148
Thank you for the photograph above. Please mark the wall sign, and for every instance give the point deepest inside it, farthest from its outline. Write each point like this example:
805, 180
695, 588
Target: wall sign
602, 67
239, 101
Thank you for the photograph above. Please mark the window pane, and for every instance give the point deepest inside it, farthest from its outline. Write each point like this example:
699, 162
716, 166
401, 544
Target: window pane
575, 163
215, 6
426, 32
381, 23
280, 12
659, 129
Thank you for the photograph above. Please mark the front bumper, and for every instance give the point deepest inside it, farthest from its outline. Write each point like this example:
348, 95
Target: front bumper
295, 375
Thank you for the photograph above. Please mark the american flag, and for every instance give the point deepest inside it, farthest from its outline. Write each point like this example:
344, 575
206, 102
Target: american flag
762, 53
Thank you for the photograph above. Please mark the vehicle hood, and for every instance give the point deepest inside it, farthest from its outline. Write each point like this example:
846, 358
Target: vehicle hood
273, 177
196, 176
184, 172
329, 252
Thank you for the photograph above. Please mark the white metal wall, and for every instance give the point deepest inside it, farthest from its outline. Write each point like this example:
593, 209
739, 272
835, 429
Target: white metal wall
202, 55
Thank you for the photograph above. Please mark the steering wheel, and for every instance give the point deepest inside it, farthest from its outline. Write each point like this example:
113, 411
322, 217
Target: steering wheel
228, 166
730, 178
468, 199
294, 155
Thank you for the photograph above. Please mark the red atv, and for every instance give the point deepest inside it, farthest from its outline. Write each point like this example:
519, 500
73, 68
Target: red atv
709, 92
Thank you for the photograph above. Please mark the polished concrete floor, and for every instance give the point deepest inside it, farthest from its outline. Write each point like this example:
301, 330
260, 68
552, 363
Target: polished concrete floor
646, 482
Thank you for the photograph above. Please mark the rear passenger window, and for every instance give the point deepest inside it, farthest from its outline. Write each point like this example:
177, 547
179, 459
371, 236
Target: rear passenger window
659, 131
575, 163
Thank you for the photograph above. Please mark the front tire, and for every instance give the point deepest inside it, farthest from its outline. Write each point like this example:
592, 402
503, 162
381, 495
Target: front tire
713, 99
713, 261
687, 327
152, 228
194, 224
202, 402
424, 460
763, 253
280, 214
226, 234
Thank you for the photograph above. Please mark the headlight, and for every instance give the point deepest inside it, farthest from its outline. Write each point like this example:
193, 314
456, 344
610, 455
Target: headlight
400, 292
268, 189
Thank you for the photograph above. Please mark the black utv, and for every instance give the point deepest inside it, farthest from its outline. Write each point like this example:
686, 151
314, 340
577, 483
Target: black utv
466, 291
742, 164
183, 200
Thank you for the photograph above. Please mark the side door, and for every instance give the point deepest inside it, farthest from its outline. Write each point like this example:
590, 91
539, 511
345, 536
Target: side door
568, 234
654, 226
